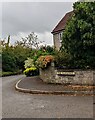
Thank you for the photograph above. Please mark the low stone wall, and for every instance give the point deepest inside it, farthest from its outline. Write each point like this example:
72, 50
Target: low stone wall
78, 77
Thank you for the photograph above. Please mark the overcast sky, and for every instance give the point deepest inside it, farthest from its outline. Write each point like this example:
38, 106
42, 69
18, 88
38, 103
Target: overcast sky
21, 18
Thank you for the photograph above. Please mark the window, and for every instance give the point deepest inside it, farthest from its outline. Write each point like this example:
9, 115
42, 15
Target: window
60, 36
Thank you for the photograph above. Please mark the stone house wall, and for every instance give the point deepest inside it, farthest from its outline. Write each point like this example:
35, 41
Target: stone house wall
56, 41
75, 77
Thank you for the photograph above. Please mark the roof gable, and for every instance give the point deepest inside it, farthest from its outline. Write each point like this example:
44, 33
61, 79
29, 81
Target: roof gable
61, 25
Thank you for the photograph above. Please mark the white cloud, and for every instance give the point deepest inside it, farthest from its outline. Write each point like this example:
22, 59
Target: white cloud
36, 17
38, 0
19, 19
46, 37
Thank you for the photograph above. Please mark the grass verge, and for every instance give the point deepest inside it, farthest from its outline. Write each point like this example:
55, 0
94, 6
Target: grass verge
3, 74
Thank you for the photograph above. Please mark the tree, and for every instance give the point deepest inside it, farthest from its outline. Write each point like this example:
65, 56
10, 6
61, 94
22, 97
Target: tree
8, 60
79, 35
13, 57
48, 49
31, 41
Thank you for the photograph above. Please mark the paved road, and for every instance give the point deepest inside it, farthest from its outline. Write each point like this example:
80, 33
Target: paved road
21, 105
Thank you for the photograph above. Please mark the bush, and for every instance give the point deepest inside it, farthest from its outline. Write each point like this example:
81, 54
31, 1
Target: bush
43, 51
47, 49
8, 61
13, 58
62, 59
44, 61
29, 63
32, 71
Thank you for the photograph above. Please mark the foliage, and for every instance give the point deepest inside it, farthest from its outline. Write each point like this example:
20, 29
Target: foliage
43, 51
50, 49
31, 41
79, 35
32, 71
13, 57
62, 59
21, 53
47, 49
8, 60
3, 74
29, 63
44, 61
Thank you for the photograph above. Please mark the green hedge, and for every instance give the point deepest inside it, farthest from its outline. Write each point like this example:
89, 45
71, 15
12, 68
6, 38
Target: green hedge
3, 74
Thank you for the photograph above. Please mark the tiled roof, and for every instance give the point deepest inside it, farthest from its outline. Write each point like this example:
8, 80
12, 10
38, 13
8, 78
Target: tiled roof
61, 25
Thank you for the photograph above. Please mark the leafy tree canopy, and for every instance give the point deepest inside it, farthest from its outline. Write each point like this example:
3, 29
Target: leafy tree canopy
79, 35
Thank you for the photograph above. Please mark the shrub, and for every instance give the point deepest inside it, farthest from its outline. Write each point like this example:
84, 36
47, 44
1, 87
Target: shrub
13, 57
62, 59
8, 61
38, 54
29, 63
47, 50
44, 61
32, 71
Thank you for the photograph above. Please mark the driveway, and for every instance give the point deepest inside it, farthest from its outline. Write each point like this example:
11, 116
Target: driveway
23, 105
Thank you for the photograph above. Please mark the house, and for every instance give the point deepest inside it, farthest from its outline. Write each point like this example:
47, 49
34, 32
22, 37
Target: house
59, 29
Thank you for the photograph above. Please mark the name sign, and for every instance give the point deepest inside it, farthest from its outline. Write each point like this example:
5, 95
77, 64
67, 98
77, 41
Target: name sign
66, 73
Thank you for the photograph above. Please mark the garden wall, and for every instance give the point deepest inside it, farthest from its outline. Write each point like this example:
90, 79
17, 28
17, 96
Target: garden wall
78, 77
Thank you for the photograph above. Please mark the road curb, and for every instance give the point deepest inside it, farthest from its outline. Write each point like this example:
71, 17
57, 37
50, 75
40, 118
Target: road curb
83, 93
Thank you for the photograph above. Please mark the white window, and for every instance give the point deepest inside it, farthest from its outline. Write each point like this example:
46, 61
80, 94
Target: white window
60, 37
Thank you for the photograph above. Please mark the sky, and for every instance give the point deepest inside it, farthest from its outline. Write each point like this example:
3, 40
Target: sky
21, 18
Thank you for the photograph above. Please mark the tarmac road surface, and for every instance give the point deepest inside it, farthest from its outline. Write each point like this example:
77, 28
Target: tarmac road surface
23, 105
